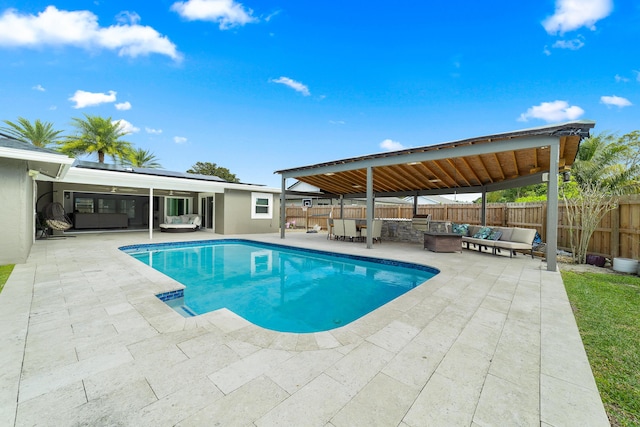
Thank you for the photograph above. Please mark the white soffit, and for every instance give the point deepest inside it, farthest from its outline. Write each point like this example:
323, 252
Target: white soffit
127, 179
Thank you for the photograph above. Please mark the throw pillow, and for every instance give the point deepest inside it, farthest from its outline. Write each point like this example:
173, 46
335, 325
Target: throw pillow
495, 235
483, 233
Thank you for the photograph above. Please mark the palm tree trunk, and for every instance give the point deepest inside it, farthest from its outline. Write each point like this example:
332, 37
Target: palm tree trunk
100, 157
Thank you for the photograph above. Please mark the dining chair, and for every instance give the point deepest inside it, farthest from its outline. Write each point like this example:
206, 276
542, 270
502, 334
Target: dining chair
350, 230
338, 229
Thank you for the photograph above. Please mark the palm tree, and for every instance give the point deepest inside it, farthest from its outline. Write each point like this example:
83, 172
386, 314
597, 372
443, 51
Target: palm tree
95, 134
613, 162
40, 134
142, 159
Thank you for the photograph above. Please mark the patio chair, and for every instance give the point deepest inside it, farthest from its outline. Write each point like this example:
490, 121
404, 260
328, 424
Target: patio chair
350, 230
338, 229
376, 230
55, 218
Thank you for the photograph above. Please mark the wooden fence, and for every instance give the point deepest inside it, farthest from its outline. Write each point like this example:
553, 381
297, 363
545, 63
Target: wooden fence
618, 234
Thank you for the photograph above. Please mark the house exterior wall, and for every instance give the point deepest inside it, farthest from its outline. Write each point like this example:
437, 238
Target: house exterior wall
16, 211
233, 211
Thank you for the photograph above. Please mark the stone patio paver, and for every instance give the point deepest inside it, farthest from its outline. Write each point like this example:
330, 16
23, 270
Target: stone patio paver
488, 341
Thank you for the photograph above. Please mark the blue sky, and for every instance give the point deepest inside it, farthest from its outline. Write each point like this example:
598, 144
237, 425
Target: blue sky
259, 86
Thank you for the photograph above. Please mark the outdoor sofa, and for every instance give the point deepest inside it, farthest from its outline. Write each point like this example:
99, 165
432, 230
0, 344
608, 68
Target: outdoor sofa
509, 238
181, 223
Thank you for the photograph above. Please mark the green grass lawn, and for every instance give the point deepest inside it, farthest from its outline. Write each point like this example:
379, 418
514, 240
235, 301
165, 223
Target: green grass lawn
607, 310
5, 271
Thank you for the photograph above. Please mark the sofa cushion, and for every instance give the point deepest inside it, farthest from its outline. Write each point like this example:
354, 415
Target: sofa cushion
506, 233
523, 235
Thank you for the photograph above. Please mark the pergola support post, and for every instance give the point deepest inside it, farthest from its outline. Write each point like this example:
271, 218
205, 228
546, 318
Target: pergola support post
283, 205
483, 212
552, 206
370, 207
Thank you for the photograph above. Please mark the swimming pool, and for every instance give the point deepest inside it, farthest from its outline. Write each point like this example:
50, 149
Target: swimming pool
278, 287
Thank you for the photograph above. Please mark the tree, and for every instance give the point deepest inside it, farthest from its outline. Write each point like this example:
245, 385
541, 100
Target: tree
613, 162
207, 168
606, 166
528, 192
95, 134
142, 159
40, 134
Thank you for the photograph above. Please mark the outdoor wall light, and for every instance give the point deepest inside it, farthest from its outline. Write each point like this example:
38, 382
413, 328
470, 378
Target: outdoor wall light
566, 176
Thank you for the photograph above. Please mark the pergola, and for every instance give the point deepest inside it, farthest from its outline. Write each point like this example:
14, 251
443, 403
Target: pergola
475, 165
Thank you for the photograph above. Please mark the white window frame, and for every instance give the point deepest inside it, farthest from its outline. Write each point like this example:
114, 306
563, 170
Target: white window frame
254, 204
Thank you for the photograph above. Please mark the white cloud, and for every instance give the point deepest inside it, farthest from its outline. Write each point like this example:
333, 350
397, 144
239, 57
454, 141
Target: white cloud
297, 86
125, 126
637, 75
391, 145
620, 79
227, 13
88, 99
574, 44
615, 101
54, 27
555, 111
126, 17
38, 88
123, 106
153, 131
337, 122
546, 51
179, 139
573, 14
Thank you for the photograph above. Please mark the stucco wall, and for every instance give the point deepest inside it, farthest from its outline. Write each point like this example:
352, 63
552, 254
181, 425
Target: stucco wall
236, 209
16, 211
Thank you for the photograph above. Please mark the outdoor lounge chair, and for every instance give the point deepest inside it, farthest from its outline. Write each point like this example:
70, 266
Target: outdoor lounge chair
181, 223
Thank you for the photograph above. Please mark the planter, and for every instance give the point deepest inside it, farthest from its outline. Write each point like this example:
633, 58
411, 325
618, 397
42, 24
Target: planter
596, 260
625, 265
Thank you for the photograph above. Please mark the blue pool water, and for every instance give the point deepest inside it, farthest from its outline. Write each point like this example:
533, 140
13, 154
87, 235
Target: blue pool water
278, 287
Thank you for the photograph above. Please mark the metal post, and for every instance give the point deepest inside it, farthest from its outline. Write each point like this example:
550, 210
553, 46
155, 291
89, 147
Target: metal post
552, 206
150, 213
370, 207
283, 206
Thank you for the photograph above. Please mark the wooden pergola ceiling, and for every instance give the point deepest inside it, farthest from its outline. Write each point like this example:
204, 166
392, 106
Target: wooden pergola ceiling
501, 161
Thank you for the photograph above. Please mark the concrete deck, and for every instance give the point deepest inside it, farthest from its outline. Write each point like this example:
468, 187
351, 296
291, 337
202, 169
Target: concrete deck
490, 341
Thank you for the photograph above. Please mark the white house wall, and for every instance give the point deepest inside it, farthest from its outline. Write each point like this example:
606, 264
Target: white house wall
16, 211
236, 214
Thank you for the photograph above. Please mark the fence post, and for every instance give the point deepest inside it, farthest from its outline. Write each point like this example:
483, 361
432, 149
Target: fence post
543, 213
615, 231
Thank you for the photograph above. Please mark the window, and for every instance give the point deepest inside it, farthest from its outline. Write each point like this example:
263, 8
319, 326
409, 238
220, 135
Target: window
83, 205
261, 206
177, 206
107, 205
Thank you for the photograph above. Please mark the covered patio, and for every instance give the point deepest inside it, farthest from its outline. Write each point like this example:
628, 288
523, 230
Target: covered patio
475, 165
